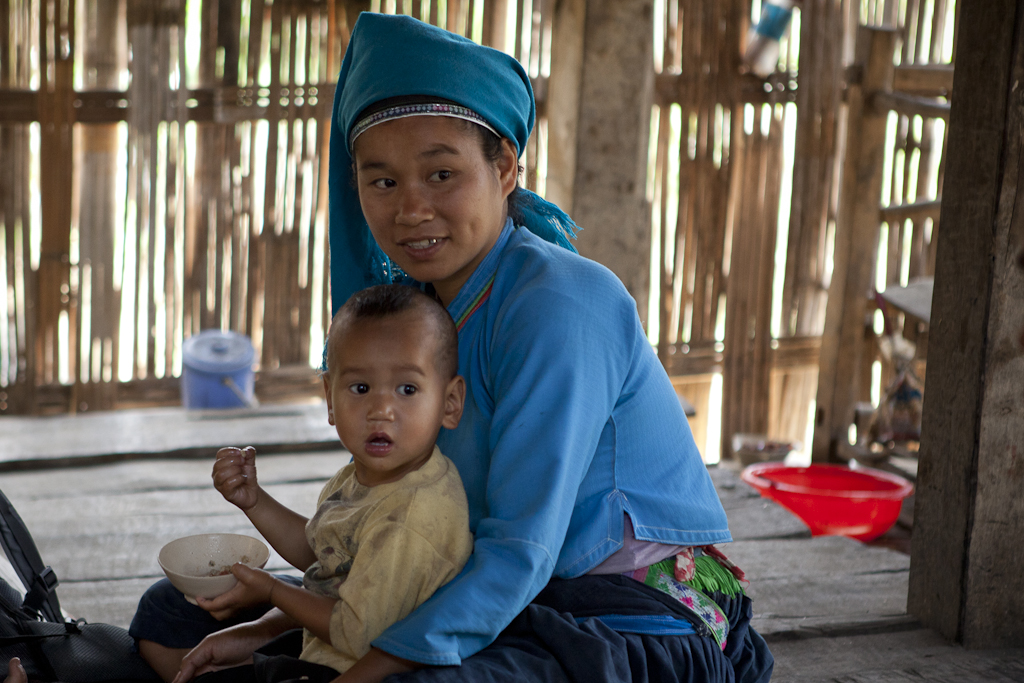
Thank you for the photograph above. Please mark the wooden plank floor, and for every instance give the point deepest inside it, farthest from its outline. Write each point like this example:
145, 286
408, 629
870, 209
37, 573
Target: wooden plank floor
101, 437
831, 608
912, 656
101, 527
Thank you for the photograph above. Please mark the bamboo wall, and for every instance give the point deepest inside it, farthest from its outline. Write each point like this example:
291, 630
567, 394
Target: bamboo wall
164, 172
162, 210
913, 174
741, 293
888, 205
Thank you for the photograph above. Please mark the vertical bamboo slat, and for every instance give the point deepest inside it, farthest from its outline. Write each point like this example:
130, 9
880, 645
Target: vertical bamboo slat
818, 95
18, 362
746, 372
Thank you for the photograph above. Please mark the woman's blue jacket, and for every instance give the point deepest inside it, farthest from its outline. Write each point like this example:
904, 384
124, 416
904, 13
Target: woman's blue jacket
570, 421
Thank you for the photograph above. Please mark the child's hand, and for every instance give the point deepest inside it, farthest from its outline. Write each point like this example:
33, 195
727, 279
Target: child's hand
234, 475
254, 587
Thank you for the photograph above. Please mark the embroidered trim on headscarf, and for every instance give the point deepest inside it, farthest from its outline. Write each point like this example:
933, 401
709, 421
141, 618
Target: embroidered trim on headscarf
425, 109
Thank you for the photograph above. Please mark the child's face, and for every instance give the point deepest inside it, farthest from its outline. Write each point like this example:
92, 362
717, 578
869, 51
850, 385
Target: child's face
386, 397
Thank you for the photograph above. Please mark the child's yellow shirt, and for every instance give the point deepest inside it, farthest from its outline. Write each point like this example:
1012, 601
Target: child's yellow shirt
381, 551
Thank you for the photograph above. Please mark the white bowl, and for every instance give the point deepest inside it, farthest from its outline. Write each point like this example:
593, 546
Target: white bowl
200, 566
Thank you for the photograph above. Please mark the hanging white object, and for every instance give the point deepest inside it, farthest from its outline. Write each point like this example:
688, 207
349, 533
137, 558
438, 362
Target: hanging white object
762, 55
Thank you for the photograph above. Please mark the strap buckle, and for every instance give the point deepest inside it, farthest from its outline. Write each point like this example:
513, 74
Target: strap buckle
47, 580
42, 587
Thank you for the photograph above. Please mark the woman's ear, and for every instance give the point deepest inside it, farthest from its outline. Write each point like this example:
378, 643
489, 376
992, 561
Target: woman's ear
327, 392
508, 167
454, 398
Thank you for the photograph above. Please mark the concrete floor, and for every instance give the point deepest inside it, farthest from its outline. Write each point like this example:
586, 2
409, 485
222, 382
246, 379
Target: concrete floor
101, 496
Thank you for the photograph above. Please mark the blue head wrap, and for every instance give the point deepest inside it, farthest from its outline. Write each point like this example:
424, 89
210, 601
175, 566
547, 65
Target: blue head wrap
392, 56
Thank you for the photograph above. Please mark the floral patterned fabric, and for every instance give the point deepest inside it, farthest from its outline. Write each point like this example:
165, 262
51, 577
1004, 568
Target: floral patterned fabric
670, 577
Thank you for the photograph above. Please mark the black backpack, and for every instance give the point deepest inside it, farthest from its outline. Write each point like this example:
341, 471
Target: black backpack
33, 628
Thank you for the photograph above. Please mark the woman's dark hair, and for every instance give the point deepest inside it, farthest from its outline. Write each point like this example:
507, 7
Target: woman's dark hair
384, 301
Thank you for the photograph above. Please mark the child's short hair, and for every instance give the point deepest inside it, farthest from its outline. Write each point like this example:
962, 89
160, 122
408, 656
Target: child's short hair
382, 301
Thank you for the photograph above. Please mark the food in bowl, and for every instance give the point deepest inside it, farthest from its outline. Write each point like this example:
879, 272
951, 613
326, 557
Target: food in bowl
200, 566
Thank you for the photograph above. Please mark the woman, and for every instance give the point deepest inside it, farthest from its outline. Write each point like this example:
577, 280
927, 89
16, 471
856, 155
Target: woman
589, 502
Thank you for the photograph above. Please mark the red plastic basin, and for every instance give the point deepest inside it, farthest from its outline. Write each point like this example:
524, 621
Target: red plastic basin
833, 500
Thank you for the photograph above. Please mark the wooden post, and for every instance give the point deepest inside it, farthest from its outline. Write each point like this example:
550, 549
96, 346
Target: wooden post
965, 578
563, 106
56, 116
495, 24
617, 93
19, 396
353, 8
856, 241
103, 57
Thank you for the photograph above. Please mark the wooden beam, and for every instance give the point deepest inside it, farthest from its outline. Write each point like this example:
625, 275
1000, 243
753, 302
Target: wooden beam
19, 106
795, 352
281, 385
684, 360
924, 79
910, 105
965, 578
915, 211
856, 240
227, 104
673, 87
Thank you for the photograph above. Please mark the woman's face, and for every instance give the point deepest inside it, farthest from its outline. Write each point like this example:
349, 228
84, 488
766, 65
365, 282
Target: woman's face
434, 203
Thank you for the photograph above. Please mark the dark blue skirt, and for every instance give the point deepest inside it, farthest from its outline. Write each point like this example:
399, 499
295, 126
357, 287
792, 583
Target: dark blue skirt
557, 638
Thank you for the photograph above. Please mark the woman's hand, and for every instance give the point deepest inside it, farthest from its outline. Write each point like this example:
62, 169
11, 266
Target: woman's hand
234, 475
233, 646
254, 587
16, 672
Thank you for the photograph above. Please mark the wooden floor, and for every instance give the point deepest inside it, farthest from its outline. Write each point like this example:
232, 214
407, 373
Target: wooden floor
832, 609
102, 437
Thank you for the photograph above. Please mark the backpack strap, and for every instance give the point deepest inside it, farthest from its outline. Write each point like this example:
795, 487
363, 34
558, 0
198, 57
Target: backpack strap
70, 629
24, 636
39, 580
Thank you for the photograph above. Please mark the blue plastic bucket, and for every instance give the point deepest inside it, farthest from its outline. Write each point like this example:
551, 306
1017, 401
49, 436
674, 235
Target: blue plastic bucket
217, 370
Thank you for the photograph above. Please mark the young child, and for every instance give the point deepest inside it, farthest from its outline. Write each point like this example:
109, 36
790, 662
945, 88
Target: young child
392, 526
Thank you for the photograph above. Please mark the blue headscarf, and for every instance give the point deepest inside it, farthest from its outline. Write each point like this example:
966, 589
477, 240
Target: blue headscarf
392, 56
